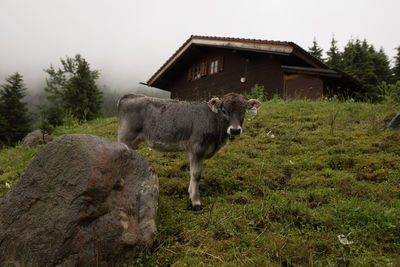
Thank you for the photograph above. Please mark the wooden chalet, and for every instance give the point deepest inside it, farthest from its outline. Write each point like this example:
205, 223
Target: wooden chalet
213, 66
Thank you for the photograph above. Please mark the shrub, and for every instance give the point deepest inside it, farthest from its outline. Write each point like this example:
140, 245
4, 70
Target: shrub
389, 92
257, 92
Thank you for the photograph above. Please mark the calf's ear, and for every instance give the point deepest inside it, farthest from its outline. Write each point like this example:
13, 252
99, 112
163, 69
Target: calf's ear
214, 104
253, 105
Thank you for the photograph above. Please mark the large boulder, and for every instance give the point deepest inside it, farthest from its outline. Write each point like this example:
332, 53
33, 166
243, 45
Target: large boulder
83, 201
35, 138
395, 122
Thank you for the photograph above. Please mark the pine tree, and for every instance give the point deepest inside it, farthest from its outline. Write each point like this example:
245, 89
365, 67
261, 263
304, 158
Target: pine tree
315, 50
72, 89
396, 67
3, 126
334, 59
381, 64
14, 112
368, 66
358, 63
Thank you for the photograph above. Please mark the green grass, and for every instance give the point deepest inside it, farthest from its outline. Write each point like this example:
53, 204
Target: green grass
301, 174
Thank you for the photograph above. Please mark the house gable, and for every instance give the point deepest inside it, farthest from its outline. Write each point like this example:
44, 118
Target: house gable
273, 47
212, 66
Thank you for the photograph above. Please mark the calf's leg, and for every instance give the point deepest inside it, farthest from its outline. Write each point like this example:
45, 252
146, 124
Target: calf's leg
196, 165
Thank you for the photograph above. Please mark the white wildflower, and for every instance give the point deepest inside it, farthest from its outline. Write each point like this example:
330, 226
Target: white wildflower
344, 241
8, 185
291, 162
270, 134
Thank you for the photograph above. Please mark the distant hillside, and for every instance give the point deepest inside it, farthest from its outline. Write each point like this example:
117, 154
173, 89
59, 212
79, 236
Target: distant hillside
302, 174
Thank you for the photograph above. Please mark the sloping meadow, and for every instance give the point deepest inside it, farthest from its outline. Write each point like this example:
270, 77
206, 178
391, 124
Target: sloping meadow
302, 173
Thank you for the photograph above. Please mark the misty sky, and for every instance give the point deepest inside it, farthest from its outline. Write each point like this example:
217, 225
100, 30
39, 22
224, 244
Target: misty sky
129, 40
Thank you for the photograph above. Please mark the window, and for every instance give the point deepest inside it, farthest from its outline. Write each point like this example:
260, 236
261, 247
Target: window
195, 73
213, 66
209, 67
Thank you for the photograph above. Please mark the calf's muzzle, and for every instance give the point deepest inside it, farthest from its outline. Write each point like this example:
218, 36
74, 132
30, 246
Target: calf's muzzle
234, 131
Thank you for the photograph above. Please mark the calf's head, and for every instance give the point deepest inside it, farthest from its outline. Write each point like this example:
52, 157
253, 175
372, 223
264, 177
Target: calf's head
232, 107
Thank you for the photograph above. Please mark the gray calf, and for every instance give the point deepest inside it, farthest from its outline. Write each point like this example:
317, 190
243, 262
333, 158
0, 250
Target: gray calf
170, 125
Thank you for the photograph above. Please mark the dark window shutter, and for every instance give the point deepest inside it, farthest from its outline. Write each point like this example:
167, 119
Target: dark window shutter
190, 74
220, 63
203, 69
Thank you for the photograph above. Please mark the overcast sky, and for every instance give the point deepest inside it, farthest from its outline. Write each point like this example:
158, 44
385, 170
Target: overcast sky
129, 40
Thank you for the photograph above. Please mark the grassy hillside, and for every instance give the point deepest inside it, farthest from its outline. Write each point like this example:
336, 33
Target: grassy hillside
300, 175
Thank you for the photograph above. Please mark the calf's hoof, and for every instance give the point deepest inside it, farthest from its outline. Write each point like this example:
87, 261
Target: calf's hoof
197, 207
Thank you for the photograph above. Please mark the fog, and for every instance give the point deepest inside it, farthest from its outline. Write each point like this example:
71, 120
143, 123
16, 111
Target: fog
128, 41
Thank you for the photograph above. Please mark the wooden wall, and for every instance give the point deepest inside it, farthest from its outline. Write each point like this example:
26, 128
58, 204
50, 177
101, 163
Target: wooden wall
263, 69
303, 86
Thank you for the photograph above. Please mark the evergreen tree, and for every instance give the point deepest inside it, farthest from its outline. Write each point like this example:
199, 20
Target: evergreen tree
334, 59
316, 50
357, 62
3, 126
14, 113
381, 64
396, 67
73, 89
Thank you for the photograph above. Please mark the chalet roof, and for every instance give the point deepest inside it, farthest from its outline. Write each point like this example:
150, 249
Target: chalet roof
254, 45
311, 71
